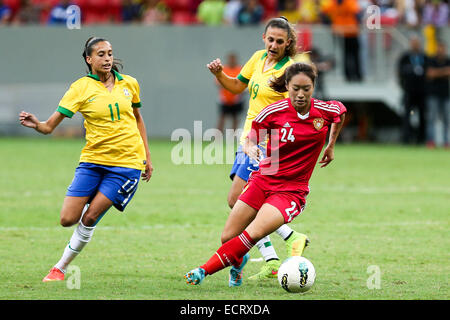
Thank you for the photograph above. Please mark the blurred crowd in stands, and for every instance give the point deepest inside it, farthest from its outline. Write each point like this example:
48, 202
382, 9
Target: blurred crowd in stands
218, 12
424, 81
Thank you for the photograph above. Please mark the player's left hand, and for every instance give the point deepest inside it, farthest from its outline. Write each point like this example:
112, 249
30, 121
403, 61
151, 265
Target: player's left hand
328, 156
147, 174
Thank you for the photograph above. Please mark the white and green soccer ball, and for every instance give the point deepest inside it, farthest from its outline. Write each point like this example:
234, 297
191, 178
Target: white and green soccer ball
296, 274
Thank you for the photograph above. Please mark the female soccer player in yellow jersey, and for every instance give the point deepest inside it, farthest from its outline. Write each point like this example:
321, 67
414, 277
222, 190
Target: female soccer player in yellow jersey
280, 47
116, 154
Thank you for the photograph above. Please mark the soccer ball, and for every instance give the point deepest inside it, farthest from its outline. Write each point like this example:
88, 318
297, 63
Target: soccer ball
296, 274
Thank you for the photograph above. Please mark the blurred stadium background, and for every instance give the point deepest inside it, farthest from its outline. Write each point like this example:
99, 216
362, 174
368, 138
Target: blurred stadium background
386, 204
166, 44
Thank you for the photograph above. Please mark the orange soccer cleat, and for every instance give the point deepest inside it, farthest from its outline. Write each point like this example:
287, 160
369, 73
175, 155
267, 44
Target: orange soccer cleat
54, 275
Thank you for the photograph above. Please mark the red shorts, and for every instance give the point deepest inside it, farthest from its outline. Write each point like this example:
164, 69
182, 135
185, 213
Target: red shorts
290, 203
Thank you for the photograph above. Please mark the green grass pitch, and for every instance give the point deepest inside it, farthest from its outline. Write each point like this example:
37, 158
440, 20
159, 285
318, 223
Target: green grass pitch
386, 206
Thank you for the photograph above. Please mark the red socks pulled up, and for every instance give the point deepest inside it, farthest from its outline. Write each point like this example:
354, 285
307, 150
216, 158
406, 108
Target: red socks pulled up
230, 253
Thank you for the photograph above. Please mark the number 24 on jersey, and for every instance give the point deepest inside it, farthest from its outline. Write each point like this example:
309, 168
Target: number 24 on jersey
287, 135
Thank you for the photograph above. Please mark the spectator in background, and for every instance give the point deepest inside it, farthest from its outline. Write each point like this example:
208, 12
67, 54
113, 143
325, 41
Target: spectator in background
434, 18
323, 64
251, 13
154, 12
28, 13
435, 12
438, 101
291, 11
5, 13
131, 11
211, 12
232, 8
411, 75
345, 26
58, 14
407, 10
193, 6
230, 104
310, 11
389, 12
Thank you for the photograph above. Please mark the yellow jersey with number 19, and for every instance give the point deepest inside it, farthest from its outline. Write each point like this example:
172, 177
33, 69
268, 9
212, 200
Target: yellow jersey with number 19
112, 135
261, 94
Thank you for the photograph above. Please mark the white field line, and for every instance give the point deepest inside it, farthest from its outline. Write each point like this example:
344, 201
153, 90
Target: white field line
383, 189
257, 259
391, 224
319, 188
47, 193
185, 226
107, 228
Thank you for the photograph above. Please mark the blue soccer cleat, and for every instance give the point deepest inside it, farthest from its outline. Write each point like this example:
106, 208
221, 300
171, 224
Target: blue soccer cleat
195, 276
236, 273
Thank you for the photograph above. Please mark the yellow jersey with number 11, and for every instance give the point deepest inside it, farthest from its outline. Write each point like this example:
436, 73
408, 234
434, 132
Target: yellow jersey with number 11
261, 94
112, 135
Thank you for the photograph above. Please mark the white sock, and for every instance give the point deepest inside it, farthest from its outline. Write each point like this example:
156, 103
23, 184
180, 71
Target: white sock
67, 257
284, 231
267, 250
80, 237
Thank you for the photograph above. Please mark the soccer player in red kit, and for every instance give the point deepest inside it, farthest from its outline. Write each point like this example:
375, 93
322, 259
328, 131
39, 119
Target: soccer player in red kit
297, 129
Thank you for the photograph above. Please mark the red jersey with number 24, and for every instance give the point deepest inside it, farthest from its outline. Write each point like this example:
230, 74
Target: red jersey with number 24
295, 142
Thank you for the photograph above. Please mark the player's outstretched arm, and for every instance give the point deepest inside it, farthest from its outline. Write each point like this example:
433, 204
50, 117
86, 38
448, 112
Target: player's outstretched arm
328, 154
29, 120
233, 85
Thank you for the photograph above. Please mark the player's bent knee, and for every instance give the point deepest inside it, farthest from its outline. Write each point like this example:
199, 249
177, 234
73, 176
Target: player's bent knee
67, 221
231, 201
89, 220
232, 198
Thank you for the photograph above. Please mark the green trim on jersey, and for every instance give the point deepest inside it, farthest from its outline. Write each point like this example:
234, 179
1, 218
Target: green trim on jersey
281, 63
65, 111
93, 76
96, 77
118, 75
243, 79
136, 105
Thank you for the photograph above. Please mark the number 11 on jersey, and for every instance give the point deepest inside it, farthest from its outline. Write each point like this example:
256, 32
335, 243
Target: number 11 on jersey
112, 112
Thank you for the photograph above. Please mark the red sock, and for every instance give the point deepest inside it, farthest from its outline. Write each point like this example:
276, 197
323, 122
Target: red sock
230, 253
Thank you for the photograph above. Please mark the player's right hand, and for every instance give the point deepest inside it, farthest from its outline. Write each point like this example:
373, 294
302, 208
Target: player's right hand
215, 66
254, 153
28, 119
147, 173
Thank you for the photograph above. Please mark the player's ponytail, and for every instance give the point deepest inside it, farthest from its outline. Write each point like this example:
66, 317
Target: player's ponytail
87, 51
280, 84
283, 23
